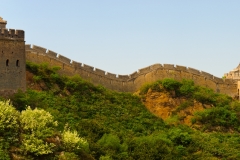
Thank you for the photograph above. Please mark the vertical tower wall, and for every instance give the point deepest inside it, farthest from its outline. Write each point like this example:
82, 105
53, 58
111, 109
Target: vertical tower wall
12, 61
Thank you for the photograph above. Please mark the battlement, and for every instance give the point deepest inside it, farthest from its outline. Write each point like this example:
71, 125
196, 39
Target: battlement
71, 63
131, 82
11, 34
145, 70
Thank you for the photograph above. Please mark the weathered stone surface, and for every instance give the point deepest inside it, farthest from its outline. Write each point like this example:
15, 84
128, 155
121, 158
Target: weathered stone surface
12, 63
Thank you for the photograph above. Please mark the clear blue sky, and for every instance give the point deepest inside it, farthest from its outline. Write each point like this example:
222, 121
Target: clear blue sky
122, 36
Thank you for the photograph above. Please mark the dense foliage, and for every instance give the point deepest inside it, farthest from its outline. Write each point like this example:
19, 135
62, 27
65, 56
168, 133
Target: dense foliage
31, 134
117, 125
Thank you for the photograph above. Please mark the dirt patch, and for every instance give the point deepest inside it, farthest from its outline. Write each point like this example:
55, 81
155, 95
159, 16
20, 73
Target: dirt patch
165, 105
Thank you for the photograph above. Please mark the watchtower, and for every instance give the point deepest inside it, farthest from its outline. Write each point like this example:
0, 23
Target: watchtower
12, 60
235, 75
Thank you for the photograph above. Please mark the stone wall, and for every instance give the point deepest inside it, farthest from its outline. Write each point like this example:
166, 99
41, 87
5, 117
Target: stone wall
12, 61
131, 82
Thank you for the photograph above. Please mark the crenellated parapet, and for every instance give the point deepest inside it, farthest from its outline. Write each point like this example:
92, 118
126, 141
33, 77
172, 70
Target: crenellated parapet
37, 50
11, 34
131, 82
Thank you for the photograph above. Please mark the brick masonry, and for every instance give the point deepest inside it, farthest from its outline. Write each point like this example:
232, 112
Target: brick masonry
131, 82
12, 61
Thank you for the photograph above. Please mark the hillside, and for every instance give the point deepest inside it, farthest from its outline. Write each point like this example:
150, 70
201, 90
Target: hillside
191, 105
166, 105
163, 120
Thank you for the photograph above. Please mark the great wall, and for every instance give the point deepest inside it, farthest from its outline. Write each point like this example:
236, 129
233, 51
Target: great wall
131, 82
14, 54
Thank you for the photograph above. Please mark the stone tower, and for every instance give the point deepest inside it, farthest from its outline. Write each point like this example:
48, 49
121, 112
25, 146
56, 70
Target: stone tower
235, 75
12, 60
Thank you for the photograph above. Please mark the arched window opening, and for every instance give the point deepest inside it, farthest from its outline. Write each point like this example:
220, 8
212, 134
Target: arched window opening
7, 62
17, 63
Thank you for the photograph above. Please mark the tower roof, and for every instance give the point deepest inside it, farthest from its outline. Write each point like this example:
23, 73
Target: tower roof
2, 21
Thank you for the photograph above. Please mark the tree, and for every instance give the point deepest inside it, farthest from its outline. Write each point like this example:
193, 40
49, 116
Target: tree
34, 131
72, 141
9, 124
37, 125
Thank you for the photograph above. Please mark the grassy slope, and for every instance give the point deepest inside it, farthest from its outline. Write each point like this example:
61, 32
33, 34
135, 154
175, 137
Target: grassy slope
117, 125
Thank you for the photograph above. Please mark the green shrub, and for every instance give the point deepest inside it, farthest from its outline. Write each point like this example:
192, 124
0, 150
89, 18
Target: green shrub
215, 145
105, 158
218, 116
72, 141
110, 141
150, 147
4, 155
20, 100
68, 156
171, 84
155, 86
37, 78
32, 67
110, 146
179, 137
204, 95
37, 125
33, 144
221, 100
144, 88
187, 88
9, 121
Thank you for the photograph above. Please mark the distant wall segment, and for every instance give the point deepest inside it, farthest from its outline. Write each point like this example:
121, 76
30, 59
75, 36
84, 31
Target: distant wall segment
131, 82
